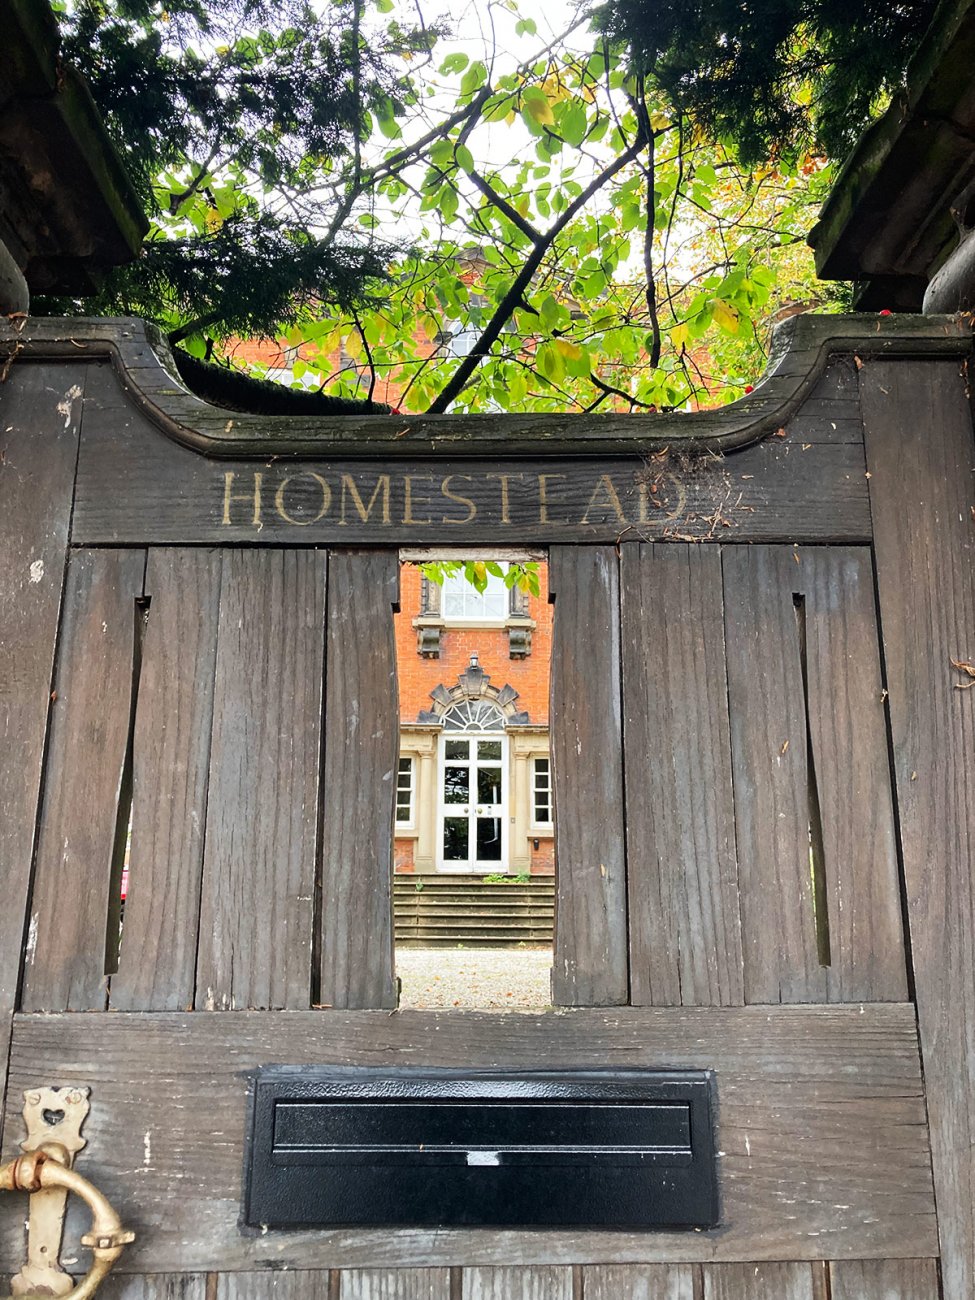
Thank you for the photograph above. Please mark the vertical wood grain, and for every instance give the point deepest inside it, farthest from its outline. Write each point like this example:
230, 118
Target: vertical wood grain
682, 868
65, 956
538, 1282
918, 430
590, 963
768, 734
274, 1284
157, 962
884, 1279
40, 410
154, 1286
259, 857
759, 1282
640, 1282
849, 743
359, 781
395, 1284
810, 755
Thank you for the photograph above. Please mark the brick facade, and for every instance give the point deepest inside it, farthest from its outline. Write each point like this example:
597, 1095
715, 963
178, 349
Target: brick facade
530, 846
419, 676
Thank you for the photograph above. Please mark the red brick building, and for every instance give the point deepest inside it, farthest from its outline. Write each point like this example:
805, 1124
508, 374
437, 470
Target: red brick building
474, 780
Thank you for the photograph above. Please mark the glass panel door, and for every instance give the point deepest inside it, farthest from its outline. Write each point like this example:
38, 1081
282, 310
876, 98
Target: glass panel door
473, 832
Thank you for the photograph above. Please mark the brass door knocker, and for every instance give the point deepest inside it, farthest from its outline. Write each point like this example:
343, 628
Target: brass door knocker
53, 1117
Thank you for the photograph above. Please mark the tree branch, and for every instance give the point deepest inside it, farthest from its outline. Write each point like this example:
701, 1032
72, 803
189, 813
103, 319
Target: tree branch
368, 349
492, 331
502, 204
193, 327
643, 119
608, 390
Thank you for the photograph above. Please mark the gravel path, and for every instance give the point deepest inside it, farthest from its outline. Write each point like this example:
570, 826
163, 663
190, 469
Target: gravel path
487, 978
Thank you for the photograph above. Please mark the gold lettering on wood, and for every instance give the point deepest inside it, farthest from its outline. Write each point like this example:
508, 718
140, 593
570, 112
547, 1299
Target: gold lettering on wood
543, 501
253, 497
282, 488
654, 493
505, 479
367, 500
455, 496
605, 490
408, 499
364, 511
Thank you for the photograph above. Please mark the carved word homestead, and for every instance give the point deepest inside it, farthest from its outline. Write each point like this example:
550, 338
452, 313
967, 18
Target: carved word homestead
301, 497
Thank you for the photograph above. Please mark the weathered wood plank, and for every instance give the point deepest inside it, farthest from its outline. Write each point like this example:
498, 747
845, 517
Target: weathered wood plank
40, 414
134, 483
359, 794
848, 734
758, 1282
682, 868
768, 740
516, 1284
802, 347
639, 1282
95, 684
822, 1127
884, 1279
918, 428
395, 1284
261, 828
590, 961
812, 789
831, 412
157, 962
154, 1286
276, 1284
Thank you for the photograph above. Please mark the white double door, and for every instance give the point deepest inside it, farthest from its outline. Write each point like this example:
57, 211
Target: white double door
473, 821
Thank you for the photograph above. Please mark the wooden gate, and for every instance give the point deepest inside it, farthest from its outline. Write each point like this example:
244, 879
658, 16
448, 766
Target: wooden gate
764, 785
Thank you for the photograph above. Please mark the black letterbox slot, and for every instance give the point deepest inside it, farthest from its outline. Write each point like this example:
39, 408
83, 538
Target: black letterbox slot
586, 1148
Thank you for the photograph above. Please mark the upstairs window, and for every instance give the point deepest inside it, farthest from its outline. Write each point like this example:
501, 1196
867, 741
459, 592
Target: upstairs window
460, 601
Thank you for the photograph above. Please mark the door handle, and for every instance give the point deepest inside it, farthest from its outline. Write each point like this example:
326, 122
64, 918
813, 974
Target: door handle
47, 1168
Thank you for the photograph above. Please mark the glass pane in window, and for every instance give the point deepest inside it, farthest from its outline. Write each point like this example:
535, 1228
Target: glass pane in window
455, 831
457, 748
460, 599
489, 839
489, 749
457, 785
488, 785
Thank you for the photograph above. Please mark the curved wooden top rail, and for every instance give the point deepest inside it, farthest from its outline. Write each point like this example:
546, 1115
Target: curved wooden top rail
801, 349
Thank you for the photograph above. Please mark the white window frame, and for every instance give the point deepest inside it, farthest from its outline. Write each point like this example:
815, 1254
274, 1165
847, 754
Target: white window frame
458, 582
534, 821
410, 822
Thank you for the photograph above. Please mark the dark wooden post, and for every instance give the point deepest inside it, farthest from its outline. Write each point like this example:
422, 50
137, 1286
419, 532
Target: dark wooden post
590, 966
359, 782
38, 451
921, 458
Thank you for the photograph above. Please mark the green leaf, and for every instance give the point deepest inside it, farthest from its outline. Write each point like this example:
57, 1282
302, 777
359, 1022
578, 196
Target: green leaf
464, 157
550, 311
454, 63
536, 107
574, 122
473, 78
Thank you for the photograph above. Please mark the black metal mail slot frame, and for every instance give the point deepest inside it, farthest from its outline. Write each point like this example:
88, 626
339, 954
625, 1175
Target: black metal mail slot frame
334, 1146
